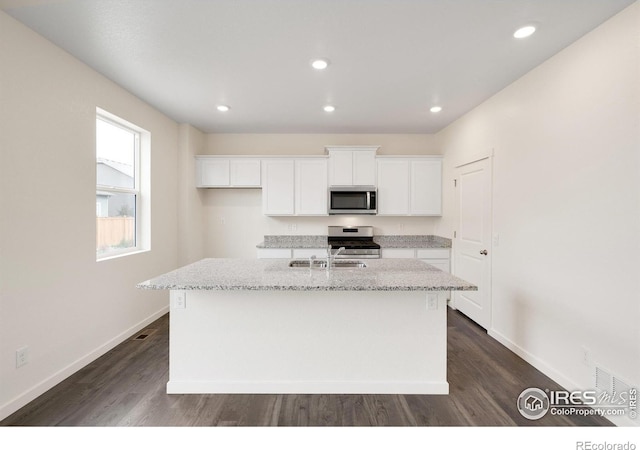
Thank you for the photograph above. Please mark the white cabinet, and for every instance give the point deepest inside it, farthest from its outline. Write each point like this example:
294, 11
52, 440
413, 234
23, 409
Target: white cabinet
308, 252
294, 186
406, 253
426, 187
438, 257
409, 186
213, 171
288, 253
265, 253
311, 187
278, 187
352, 166
393, 187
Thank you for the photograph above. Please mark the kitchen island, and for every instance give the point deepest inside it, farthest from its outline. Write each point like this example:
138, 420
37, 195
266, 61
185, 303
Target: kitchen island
260, 326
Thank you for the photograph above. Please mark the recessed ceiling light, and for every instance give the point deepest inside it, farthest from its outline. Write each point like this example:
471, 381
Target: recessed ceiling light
329, 108
320, 64
436, 109
524, 32
223, 108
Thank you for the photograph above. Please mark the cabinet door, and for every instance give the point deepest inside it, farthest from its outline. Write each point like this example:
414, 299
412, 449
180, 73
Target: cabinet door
340, 168
244, 172
442, 264
364, 168
406, 253
307, 252
311, 187
426, 187
213, 172
269, 253
393, 187
278, 187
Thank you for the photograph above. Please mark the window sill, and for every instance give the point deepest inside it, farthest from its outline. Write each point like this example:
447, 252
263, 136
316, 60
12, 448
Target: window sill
111, 256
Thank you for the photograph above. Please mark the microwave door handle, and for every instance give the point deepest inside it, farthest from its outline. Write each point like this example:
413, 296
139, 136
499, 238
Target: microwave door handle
368, 200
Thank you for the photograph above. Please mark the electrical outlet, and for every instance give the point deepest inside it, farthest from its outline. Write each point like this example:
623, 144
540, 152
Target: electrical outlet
432, 302
22, 356
179, 299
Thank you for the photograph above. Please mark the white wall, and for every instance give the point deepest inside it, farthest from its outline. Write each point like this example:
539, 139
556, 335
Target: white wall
190, 200
566, 204
54, 297
233, 219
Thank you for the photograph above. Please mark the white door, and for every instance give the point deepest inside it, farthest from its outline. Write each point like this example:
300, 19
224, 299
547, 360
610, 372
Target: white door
472, 247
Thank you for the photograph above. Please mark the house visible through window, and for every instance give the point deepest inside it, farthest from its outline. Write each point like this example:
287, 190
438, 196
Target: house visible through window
118, 193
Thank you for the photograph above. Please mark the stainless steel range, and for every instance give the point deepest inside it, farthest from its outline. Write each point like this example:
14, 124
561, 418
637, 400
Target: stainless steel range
357, 242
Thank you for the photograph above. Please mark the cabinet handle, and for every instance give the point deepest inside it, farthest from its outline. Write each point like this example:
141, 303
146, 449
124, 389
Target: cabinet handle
484, 252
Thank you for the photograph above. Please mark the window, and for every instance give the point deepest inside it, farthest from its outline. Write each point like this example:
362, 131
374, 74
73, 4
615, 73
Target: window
120, 199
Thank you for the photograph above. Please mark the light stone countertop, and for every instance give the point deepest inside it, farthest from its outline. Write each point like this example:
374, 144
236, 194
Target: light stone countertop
275, 275
385, 241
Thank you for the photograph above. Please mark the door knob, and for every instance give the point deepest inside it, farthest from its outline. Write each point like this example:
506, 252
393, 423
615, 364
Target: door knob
484, 252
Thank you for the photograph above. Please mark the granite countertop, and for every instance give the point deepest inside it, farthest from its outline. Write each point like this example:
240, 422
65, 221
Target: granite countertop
385, 241
275, 275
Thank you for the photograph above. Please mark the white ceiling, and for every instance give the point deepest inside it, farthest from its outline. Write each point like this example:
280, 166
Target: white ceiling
391, 60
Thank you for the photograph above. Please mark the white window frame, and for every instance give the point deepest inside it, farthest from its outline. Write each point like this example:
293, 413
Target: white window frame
140, 189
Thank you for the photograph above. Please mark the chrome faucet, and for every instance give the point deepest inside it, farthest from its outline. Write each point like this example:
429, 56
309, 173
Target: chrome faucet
312, 258
332, 257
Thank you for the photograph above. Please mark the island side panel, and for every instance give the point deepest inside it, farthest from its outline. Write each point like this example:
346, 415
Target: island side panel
308, 342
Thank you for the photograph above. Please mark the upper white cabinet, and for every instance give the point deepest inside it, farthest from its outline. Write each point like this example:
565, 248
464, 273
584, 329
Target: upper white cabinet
426, 186
393, 186
278, 186
225, 172
311, 187
352, 165
410, 186
294, 186
298, 185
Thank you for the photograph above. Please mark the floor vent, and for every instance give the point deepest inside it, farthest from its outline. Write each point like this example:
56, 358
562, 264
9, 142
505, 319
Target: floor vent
618, 391
144, 334
603, 380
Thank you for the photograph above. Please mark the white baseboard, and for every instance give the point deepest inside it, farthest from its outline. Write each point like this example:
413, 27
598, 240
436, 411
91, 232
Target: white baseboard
306, 387
34, 392
552, 373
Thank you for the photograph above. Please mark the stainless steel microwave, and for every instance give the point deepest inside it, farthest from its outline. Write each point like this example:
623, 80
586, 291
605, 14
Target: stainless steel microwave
353, 200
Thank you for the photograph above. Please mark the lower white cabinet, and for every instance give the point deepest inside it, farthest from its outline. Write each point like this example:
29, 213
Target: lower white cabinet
265, 253
308, 252
288, 253
438, 257
408, 253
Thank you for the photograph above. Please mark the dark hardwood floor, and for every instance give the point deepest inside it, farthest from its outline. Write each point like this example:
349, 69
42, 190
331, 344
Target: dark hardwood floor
126, 387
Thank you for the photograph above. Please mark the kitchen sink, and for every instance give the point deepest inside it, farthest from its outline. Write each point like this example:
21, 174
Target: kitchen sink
305, 263
348, 264
321, 264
